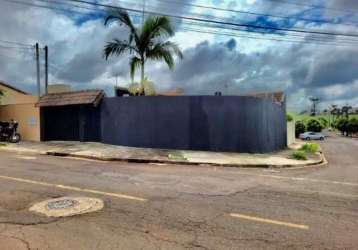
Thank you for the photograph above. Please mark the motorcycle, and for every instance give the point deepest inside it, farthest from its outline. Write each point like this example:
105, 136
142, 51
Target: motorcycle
8, 131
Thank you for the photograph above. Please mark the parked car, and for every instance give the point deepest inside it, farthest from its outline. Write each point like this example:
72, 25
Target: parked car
312, 136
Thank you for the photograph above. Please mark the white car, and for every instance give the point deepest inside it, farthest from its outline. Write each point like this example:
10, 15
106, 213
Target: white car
312, 136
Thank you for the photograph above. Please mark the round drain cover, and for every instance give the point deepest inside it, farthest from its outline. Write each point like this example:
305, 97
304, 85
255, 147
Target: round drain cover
67, 206
62, 204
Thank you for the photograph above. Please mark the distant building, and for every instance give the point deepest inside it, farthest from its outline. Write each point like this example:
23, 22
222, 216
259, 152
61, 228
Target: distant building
123, 91
58, 88
19, 105
13, 95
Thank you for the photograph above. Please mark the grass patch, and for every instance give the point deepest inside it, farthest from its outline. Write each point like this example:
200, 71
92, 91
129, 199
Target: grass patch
176, 156
310, 148
299, 155
306, 117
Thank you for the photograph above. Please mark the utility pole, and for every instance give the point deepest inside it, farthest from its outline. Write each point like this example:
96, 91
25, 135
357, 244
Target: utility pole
46, 70
143, 12
314, 101
38, 69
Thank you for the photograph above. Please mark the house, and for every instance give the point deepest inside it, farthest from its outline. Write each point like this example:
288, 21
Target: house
71, 116
13, 95
18, 105
250, 124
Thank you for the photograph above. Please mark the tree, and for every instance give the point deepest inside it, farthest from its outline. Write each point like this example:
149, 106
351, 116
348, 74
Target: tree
314, 125
342, 125
323, 121
300, 128
352, 126
345, 110
289, 117
145, 43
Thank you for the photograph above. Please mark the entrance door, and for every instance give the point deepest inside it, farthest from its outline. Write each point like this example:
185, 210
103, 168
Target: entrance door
61, 123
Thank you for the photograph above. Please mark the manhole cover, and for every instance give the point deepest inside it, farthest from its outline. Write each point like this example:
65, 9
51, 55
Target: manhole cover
62, 204
67, 206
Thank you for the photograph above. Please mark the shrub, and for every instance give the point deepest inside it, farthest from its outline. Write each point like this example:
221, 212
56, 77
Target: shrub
299, 155
342, 125
352, 125
310, 147
300, 128
323, 121
289, 118
314, 125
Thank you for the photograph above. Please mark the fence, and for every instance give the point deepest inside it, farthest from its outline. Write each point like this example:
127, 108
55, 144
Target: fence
213, 123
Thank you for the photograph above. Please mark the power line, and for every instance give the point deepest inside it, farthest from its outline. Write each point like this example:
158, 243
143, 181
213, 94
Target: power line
241, 30
194, 18
12, 47
253, 26
249, 12
264, 38
39, 6
314, 6
201, 25
17, 43
313, 38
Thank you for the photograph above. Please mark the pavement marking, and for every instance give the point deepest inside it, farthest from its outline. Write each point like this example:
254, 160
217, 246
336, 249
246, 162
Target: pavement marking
116, 195
263, 220
301, 179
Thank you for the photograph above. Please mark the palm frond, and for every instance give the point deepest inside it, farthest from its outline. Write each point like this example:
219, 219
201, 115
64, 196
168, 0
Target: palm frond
159, 53
134, 63
165, 51
174, 48
116, 47
123, 18
154, 27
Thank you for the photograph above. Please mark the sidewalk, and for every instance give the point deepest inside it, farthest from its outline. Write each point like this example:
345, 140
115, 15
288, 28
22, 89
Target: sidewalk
107, 152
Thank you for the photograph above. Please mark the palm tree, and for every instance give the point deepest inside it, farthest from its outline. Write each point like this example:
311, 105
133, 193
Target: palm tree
145, 43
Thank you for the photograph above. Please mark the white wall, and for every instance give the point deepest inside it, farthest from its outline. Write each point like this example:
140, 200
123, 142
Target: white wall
290, 133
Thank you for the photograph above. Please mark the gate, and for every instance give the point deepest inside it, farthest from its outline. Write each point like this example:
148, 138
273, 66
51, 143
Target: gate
61, 123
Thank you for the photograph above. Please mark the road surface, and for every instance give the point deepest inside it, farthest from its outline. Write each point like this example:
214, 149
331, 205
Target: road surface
183, 207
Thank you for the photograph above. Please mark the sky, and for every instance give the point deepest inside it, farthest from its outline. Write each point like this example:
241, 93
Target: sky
235, 63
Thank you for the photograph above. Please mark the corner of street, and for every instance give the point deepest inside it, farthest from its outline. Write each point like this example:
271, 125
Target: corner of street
160, 206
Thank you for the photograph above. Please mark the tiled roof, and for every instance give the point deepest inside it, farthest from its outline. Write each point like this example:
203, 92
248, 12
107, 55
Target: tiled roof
13, 88
72, 98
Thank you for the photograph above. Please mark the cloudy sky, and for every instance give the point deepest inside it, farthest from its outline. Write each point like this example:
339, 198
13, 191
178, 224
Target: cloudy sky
232, 61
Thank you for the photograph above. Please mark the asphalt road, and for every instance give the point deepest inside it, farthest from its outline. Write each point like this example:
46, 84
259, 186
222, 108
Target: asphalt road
183, 207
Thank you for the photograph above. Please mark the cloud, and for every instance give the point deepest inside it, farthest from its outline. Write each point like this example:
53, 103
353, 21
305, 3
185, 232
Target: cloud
335, 68
232, 65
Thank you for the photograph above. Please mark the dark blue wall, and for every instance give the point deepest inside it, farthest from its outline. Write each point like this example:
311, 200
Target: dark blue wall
214, 123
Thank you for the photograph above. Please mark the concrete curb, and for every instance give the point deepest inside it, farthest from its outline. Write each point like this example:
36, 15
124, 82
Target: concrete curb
321, 162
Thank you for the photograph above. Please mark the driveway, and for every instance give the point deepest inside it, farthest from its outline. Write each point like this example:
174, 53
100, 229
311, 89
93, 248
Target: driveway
150, 206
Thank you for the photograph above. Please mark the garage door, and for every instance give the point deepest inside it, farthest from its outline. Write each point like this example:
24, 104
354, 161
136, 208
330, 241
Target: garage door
61, 123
